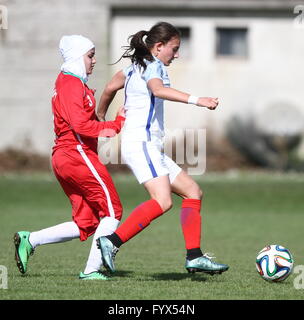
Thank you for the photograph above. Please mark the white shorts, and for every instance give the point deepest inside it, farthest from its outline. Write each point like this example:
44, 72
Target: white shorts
147, 161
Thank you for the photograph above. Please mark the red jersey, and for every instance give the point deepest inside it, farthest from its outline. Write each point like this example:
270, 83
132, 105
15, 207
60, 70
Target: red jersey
75, 120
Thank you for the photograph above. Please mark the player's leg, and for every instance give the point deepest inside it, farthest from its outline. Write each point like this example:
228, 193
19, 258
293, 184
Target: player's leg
83, 224
160, 202
99, 192
88, 222
139, 218
59, 233
26, 242
146, 161
94, 263
190, 217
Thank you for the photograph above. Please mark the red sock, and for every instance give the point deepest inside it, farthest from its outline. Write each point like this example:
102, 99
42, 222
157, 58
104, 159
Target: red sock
139, 218
191, 222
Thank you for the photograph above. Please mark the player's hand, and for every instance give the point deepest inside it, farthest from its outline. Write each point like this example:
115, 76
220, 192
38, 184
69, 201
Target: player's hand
210, 103
121, 112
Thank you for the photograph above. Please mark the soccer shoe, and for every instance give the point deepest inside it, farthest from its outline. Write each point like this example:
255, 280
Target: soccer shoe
108, 252
93, 276
23, 250
205, 264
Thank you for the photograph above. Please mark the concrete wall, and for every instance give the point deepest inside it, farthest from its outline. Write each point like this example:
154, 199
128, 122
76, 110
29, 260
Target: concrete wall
270, 75
30, 60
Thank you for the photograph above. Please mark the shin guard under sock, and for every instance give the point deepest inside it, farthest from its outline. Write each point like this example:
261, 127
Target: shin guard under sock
139, 219
191, 223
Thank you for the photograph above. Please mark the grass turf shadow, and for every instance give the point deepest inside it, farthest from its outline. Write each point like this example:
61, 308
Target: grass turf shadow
175, 276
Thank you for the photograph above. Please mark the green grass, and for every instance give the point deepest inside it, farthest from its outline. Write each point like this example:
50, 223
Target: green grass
241, 214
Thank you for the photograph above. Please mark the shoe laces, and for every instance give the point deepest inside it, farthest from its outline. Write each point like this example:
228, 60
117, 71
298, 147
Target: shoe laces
114, 252
209, 255
31, 251
102, 273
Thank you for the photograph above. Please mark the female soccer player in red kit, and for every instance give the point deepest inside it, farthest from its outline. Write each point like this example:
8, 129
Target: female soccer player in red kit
96, 207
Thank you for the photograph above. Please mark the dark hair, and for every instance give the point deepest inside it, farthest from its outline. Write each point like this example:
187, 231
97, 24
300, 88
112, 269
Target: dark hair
139, 49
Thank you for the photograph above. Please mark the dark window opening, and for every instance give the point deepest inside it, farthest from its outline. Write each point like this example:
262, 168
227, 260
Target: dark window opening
232, 42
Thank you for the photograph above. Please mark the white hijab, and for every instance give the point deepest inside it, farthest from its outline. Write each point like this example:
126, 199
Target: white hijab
72, 49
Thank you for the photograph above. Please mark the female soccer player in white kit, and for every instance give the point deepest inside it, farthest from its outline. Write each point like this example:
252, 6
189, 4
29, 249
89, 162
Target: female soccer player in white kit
147, 85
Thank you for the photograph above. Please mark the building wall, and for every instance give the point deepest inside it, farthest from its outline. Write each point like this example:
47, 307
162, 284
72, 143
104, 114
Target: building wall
30, 61
270, 75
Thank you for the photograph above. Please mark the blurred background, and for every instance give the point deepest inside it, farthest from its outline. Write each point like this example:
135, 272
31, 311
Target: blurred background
249, 53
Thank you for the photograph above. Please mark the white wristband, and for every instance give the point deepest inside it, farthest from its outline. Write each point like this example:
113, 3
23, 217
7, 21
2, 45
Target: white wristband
192, 100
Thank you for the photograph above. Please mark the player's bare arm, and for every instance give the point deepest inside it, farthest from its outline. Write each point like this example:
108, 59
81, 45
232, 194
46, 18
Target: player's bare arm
159, 90
115, 84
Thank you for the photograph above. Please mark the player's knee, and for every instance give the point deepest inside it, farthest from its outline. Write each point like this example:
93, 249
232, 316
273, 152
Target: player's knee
200, 194
165, 203
118, 210
167, 206
195, 192
118, 216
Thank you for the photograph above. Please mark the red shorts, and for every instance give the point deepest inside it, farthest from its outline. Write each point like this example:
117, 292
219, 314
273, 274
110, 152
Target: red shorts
89, 186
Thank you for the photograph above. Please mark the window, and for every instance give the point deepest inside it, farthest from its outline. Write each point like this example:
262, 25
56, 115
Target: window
184, 50
232, 42
3, 23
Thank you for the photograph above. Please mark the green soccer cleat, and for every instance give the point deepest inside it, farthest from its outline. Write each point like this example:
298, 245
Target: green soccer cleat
93, 276
205, 264
108, 252
23, 250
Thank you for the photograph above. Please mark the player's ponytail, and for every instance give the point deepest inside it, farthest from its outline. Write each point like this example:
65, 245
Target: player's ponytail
139, 49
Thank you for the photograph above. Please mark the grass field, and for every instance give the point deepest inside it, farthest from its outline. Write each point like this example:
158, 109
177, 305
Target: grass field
241, 214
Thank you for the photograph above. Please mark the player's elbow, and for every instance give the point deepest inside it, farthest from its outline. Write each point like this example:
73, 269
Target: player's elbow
80, 128
158, 93
111, 88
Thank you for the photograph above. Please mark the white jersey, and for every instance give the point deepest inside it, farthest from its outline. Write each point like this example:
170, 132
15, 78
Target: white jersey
144, 112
